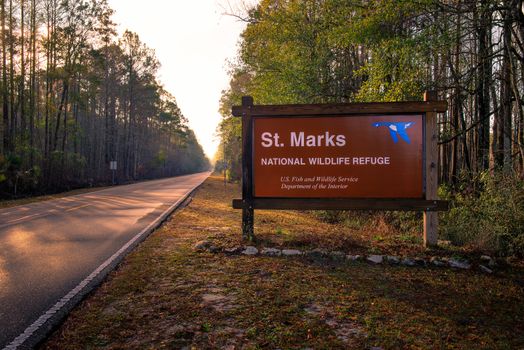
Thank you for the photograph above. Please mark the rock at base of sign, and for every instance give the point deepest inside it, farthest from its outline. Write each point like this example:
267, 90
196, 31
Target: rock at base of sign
408, 262
436, 262
420, 261
213, 249
232, 250
250, 250
337, 255
271, 252
485, 269
291, 252
375, 259
489, 260
353, 257
393, 259
202, 246
316, 253
459, 264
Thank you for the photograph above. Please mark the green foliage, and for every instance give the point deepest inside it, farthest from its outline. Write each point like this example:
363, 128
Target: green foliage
403, 222
101, 102
310, 51
160, 158
492, 219
395, 75
14, 179
230, 128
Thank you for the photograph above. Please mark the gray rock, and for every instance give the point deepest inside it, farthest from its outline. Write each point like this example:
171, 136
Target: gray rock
337, 255
353, 257
213, 249
436, 262
291, 252
408, 262
485, 269
202, 245
271, 252
317, 253
420, 261
233, 250
393, 259
489, 260
376, 259
459, 264
250, 250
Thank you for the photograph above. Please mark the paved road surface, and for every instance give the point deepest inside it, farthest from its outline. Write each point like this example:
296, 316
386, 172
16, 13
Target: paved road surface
47, 248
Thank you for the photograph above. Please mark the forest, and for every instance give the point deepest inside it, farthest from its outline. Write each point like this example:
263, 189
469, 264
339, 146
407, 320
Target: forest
75, 96
471, 52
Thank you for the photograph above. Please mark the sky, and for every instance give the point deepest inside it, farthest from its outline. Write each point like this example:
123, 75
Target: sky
193, 40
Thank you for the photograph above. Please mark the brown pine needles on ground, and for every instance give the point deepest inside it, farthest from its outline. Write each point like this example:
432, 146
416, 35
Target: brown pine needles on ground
167, 295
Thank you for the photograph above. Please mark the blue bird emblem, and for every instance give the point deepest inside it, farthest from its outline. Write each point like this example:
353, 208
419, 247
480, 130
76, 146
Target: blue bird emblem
396, 129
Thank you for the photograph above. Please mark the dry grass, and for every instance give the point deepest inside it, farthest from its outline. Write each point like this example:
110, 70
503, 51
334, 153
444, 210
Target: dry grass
166, 295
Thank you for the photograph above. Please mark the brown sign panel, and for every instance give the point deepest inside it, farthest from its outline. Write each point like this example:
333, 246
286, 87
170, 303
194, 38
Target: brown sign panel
378, 156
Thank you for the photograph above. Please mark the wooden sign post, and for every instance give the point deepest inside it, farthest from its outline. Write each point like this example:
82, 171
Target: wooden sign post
431, 178
360, 156
248, 212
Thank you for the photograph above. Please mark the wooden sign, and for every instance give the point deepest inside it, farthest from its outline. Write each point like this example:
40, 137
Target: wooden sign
375, 156
371, 156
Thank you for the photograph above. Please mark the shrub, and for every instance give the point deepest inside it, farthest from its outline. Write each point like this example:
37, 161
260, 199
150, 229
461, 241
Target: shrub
14, 180
492, 218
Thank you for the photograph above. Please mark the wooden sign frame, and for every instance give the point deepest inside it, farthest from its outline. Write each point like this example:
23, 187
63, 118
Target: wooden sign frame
429, 204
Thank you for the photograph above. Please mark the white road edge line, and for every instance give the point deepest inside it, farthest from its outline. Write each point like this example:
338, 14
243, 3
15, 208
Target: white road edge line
35, 326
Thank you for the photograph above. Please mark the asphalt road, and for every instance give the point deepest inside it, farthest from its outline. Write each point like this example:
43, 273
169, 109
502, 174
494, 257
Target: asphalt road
47, 248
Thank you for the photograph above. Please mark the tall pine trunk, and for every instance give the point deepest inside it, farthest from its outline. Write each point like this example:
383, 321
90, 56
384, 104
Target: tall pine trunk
5, 93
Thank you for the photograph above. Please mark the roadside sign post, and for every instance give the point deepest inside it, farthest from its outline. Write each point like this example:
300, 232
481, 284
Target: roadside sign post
248, 213
431, 178
224, 164
359, 156
112, 167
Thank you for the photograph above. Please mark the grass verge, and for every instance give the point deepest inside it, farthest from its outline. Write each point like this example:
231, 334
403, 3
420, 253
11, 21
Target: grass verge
167, 295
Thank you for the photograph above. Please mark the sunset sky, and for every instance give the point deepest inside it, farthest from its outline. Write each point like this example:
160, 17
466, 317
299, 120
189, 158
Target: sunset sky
192, 40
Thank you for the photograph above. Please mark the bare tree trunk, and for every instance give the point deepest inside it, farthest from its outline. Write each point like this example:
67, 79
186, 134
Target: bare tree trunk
65, 88
12, 78
484, 38
506, 96
23, 124
496, 154
5, 93
32, 101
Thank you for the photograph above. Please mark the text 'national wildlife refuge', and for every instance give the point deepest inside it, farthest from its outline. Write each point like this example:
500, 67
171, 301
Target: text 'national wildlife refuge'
376, 156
